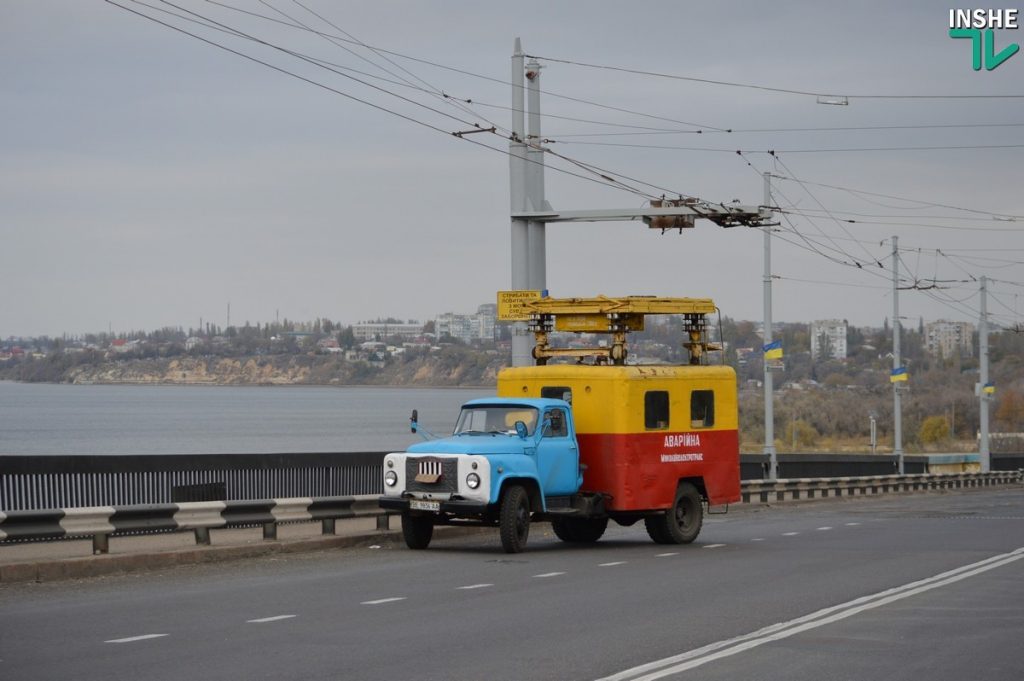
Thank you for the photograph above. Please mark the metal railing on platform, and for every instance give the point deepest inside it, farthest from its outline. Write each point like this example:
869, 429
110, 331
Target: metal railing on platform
32, 482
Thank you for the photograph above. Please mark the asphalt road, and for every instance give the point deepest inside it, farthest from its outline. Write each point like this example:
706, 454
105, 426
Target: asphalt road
924, 586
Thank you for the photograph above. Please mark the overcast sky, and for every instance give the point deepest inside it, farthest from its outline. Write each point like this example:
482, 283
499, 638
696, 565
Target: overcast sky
147, 179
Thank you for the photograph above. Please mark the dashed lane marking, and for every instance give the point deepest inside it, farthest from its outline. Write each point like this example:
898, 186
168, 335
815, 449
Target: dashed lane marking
852, 524
132, 639
545, 575
666, 555
790, 534
823, 529
383, 600
618, 562
275, 618
473, 586
714, 546
757, 539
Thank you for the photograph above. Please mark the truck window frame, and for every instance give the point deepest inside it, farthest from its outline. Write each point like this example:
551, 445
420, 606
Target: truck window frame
564, 419
702, 408
656, 410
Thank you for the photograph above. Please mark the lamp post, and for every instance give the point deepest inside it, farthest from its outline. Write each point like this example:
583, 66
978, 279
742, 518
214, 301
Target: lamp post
874, 431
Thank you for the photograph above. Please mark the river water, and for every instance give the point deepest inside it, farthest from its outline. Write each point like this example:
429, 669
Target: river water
43, 418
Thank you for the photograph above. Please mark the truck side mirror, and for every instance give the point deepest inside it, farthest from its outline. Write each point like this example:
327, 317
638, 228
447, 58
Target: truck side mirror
521, 430
413, 421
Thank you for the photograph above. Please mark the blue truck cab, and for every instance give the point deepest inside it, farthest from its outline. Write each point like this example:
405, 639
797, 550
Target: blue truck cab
508, 461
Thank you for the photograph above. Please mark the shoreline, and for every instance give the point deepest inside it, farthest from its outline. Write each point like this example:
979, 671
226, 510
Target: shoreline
207, 384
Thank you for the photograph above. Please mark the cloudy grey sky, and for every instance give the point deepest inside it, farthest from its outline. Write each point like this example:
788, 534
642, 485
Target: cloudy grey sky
147, 179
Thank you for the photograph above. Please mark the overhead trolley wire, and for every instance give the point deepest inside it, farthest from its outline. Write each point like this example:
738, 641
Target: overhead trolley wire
847, 128
358, 99
831, 283
207, 23
838, 223
922, 202
824, 150
465, 72
434, 91
766, 88
890, 223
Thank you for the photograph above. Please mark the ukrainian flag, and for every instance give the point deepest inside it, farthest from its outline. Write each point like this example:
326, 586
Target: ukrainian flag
773, 350
989, 389
898, 375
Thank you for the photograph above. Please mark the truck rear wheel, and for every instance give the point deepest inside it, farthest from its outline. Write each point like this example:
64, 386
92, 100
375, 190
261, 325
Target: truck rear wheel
579, 530
515, 519
417, 530
681, 523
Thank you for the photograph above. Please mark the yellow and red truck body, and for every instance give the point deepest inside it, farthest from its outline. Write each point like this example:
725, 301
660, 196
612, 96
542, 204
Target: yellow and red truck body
644, 429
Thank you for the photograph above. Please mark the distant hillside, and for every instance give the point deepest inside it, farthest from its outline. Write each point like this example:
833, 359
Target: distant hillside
453, 366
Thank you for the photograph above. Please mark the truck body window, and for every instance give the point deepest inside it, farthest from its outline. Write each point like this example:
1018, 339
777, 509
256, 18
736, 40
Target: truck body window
702, 408
557, 392
656, 409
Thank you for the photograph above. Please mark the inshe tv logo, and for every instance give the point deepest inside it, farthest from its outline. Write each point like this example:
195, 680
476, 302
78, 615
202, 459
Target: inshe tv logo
979, 25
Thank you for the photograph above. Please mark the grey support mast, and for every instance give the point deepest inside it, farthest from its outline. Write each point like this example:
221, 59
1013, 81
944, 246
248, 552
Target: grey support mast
521, 340
897, 415
983, 444
536, 237
531, 213
769, 415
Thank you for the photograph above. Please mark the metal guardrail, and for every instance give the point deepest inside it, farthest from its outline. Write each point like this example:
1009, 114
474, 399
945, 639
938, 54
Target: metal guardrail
765, 491
99, 522
102, 521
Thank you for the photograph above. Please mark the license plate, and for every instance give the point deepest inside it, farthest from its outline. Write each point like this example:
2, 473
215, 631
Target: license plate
420, 505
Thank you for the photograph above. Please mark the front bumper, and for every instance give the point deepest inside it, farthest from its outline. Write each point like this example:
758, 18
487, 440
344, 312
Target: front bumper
459, 508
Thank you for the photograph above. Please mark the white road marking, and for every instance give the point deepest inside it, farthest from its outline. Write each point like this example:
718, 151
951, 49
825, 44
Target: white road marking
790, 534
545, 575
775, 632
618, 562
474, 586
852, 524
271, 619
757, 539
714, 546
383, 600
823, 529
132, 639
666, 555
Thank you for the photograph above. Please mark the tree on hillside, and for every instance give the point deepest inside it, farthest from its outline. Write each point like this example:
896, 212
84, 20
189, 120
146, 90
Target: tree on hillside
346, 338
1009, 415
934, 431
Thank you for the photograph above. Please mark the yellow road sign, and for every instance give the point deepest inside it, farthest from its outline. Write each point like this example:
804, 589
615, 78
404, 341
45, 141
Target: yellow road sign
512, 305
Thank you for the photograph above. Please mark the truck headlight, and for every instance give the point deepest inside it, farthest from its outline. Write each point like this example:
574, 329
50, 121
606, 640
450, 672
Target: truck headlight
391, 478
472, 481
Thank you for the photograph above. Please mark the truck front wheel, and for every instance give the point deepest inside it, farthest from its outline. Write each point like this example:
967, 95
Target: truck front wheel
515, 519
417, 530
681, 523
579, 530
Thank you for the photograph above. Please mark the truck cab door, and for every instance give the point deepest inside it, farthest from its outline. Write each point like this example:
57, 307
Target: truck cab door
558, 456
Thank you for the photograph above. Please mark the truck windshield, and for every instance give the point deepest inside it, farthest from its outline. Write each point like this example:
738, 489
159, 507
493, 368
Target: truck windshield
495, 419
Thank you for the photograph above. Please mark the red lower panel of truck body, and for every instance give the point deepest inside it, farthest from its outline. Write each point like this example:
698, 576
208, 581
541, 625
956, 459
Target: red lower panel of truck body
641, 470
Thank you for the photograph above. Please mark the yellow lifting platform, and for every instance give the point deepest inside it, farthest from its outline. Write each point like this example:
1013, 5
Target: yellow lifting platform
614, 316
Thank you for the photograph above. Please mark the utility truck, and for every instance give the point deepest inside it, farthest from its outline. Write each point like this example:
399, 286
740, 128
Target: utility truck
584, 443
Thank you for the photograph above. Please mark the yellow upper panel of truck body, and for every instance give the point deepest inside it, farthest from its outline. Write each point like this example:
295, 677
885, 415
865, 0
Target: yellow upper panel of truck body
635, 398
